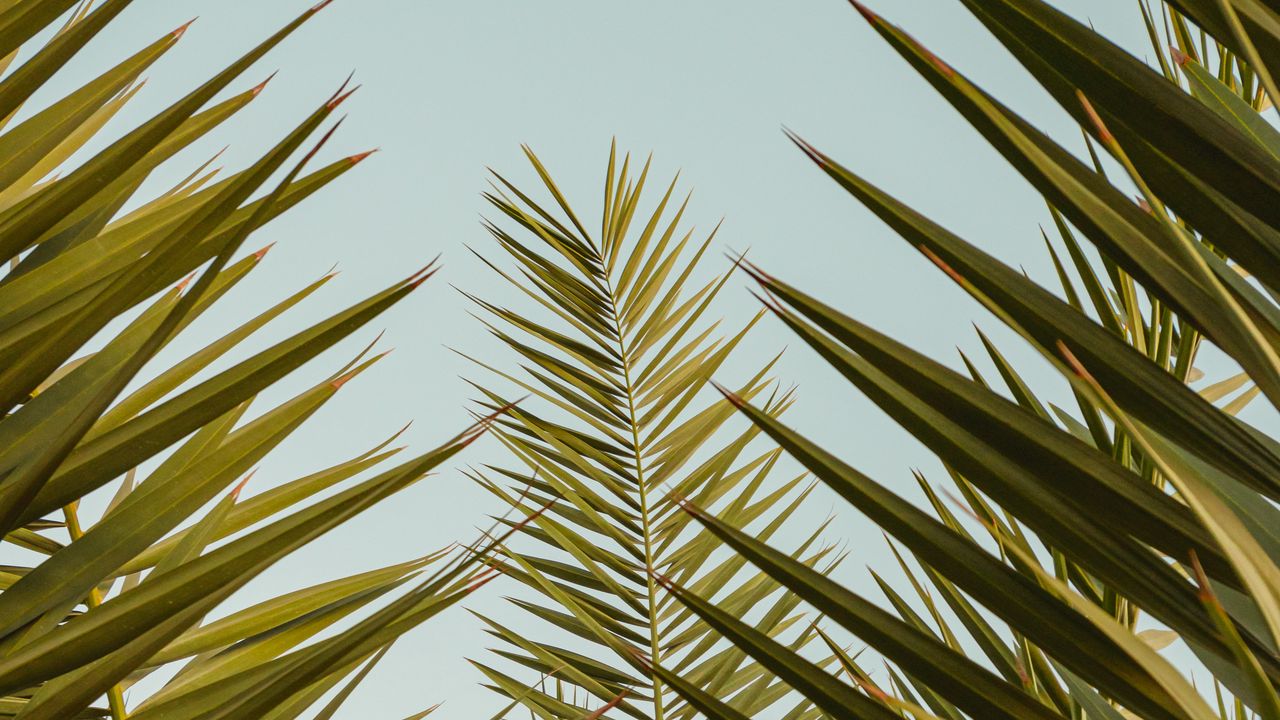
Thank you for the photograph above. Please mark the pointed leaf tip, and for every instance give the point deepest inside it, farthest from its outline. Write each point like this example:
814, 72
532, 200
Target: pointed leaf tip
813, 153
342, 88
872, 689
355, 159
256, 90
342, 93
1104, 135
1178, 56
422, 275
177, 34
865, 11
345, 378
319, 6
235, 492
186, 281
666, 582
1203, 590
257, 256
729, 395
754, 270
689, 507
342, 98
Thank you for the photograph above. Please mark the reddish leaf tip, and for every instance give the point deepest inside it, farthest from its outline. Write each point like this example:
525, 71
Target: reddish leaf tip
341, 98
235, 492
872, 689
814, 154
256, 90
865, 11
177, 34
186, 281
355, 159
729, 395
665, 582
1203, 590
1179, 57
689, 507
345, 378
756, 272
1104, 135
422, 275
338, 94
263, 252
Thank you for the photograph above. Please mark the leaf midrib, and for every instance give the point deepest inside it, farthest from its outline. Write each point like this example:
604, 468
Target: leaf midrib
637, 455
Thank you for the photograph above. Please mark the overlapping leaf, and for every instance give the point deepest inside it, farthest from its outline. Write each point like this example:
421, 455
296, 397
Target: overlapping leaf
97, 605
1149, 498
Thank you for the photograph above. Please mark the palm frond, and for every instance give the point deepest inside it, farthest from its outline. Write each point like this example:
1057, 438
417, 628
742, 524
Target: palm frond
1072, 545
91, 606
615, 351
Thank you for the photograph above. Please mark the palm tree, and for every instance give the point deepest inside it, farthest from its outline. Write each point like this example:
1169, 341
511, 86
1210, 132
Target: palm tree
619, 427
1150, 499
91, 605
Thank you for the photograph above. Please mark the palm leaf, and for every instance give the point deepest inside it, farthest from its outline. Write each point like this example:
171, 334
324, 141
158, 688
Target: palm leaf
616, 352
94, 605
1149, 498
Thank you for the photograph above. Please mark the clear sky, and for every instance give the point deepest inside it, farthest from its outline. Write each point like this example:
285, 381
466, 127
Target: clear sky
452, 86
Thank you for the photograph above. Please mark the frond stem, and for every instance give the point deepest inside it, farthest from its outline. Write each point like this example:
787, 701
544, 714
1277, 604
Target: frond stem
654, 643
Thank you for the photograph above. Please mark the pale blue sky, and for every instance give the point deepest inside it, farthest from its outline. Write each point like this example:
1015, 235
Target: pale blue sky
452, 86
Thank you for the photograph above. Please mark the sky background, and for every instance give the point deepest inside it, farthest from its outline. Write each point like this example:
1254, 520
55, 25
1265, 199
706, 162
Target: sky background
450, 87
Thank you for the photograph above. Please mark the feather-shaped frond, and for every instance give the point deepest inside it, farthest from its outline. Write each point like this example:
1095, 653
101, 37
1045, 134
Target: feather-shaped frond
615, 351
